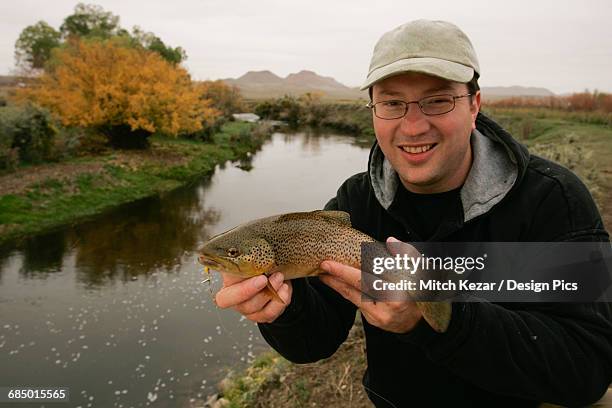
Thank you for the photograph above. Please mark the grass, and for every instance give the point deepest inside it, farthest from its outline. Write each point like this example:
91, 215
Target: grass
273, 382
583, 146
124, 177
242, 390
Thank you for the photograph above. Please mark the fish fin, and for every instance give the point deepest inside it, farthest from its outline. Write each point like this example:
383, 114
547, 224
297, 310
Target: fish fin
436, 314
340, 217
269, 289
292, 271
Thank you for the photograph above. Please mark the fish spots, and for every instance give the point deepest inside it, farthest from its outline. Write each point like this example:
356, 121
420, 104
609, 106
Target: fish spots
262, 255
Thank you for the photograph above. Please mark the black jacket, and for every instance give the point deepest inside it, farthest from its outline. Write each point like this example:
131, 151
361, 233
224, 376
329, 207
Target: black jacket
492, 355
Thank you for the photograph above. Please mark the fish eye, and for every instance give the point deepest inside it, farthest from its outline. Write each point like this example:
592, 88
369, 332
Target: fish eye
233, 252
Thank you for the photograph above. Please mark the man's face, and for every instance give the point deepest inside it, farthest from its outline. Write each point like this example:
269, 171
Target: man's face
431, 154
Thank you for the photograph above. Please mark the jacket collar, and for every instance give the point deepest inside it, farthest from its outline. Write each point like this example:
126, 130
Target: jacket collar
498, 164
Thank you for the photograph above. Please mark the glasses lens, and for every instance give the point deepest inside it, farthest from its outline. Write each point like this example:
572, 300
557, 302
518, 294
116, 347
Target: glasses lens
390, 109
437, 105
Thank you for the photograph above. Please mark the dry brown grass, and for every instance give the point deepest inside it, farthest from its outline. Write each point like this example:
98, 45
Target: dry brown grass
335, 382
577, 102
273, 382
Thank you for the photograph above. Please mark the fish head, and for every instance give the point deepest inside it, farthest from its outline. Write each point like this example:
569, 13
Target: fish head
238, 252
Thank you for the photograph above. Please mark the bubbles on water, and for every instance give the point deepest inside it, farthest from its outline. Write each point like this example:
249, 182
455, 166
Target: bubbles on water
120, 329
152, 397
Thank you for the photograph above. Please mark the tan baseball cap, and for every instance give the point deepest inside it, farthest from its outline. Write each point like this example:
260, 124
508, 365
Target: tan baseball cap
437, 48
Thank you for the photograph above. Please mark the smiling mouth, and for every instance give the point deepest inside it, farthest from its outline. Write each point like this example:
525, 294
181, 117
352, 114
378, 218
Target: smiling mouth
418, 149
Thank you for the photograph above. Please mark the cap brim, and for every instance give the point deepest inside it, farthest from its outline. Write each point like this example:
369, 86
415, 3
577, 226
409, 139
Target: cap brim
449, 70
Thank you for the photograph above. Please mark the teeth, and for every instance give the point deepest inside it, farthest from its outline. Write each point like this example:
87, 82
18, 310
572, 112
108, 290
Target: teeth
417, 149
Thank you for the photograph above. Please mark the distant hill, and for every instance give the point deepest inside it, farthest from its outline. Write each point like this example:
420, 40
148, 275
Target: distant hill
258, 77
499, 92
266, 84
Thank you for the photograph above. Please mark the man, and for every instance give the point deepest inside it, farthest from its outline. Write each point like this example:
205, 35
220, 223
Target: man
442, 171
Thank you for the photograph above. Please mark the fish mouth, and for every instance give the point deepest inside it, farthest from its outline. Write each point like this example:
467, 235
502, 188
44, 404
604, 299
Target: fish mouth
220, 265
211, 263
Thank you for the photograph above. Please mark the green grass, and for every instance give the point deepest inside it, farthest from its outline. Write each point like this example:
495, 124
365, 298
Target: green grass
51, 203
582, 144
243, 388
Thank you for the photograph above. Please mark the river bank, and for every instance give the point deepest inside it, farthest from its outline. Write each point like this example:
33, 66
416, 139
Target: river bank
273, 382
43, 197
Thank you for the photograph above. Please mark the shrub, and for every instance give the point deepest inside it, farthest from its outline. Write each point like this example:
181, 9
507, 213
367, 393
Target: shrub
9, 156
224, 98
28, 131
287, 108
74, 141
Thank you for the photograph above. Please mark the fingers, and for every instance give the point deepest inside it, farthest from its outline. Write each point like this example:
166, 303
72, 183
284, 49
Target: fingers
345, 280
348, 274
241, 291
346, 290
246, 296
230, 279
273, 309
257, 302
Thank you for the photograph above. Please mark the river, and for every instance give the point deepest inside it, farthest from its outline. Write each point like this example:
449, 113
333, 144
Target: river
115, 308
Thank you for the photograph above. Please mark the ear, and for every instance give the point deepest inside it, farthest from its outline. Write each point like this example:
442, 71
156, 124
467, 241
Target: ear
475, 108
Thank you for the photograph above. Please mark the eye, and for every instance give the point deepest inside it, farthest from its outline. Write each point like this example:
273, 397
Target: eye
438, 100
391, 104
233, 252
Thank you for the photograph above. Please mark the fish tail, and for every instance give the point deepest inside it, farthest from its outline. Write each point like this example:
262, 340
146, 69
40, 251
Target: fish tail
269, 289
436, 314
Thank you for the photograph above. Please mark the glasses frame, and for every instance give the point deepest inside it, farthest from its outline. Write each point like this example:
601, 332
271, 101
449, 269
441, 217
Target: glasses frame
371, 105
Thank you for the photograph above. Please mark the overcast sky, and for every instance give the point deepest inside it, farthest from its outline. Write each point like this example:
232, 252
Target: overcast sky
562, 45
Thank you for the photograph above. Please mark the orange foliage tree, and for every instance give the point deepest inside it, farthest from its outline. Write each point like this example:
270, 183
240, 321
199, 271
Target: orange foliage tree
224, 97
125, 92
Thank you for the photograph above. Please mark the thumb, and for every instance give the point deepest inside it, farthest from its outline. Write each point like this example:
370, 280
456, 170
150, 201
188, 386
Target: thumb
229, 280
395, 247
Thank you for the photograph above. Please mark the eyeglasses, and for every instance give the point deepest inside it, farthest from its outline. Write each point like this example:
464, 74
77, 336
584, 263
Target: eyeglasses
430, 106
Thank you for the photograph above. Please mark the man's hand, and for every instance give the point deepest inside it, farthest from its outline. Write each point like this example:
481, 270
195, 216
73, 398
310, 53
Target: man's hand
248, 298
395, 317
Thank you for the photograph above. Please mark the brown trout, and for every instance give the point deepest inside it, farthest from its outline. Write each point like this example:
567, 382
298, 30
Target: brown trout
296, 244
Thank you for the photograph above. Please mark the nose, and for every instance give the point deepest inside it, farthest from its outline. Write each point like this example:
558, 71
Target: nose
415, 122
201, 259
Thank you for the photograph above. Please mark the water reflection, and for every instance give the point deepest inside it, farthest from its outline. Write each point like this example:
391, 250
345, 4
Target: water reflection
153, 239
150, 235
43, 255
